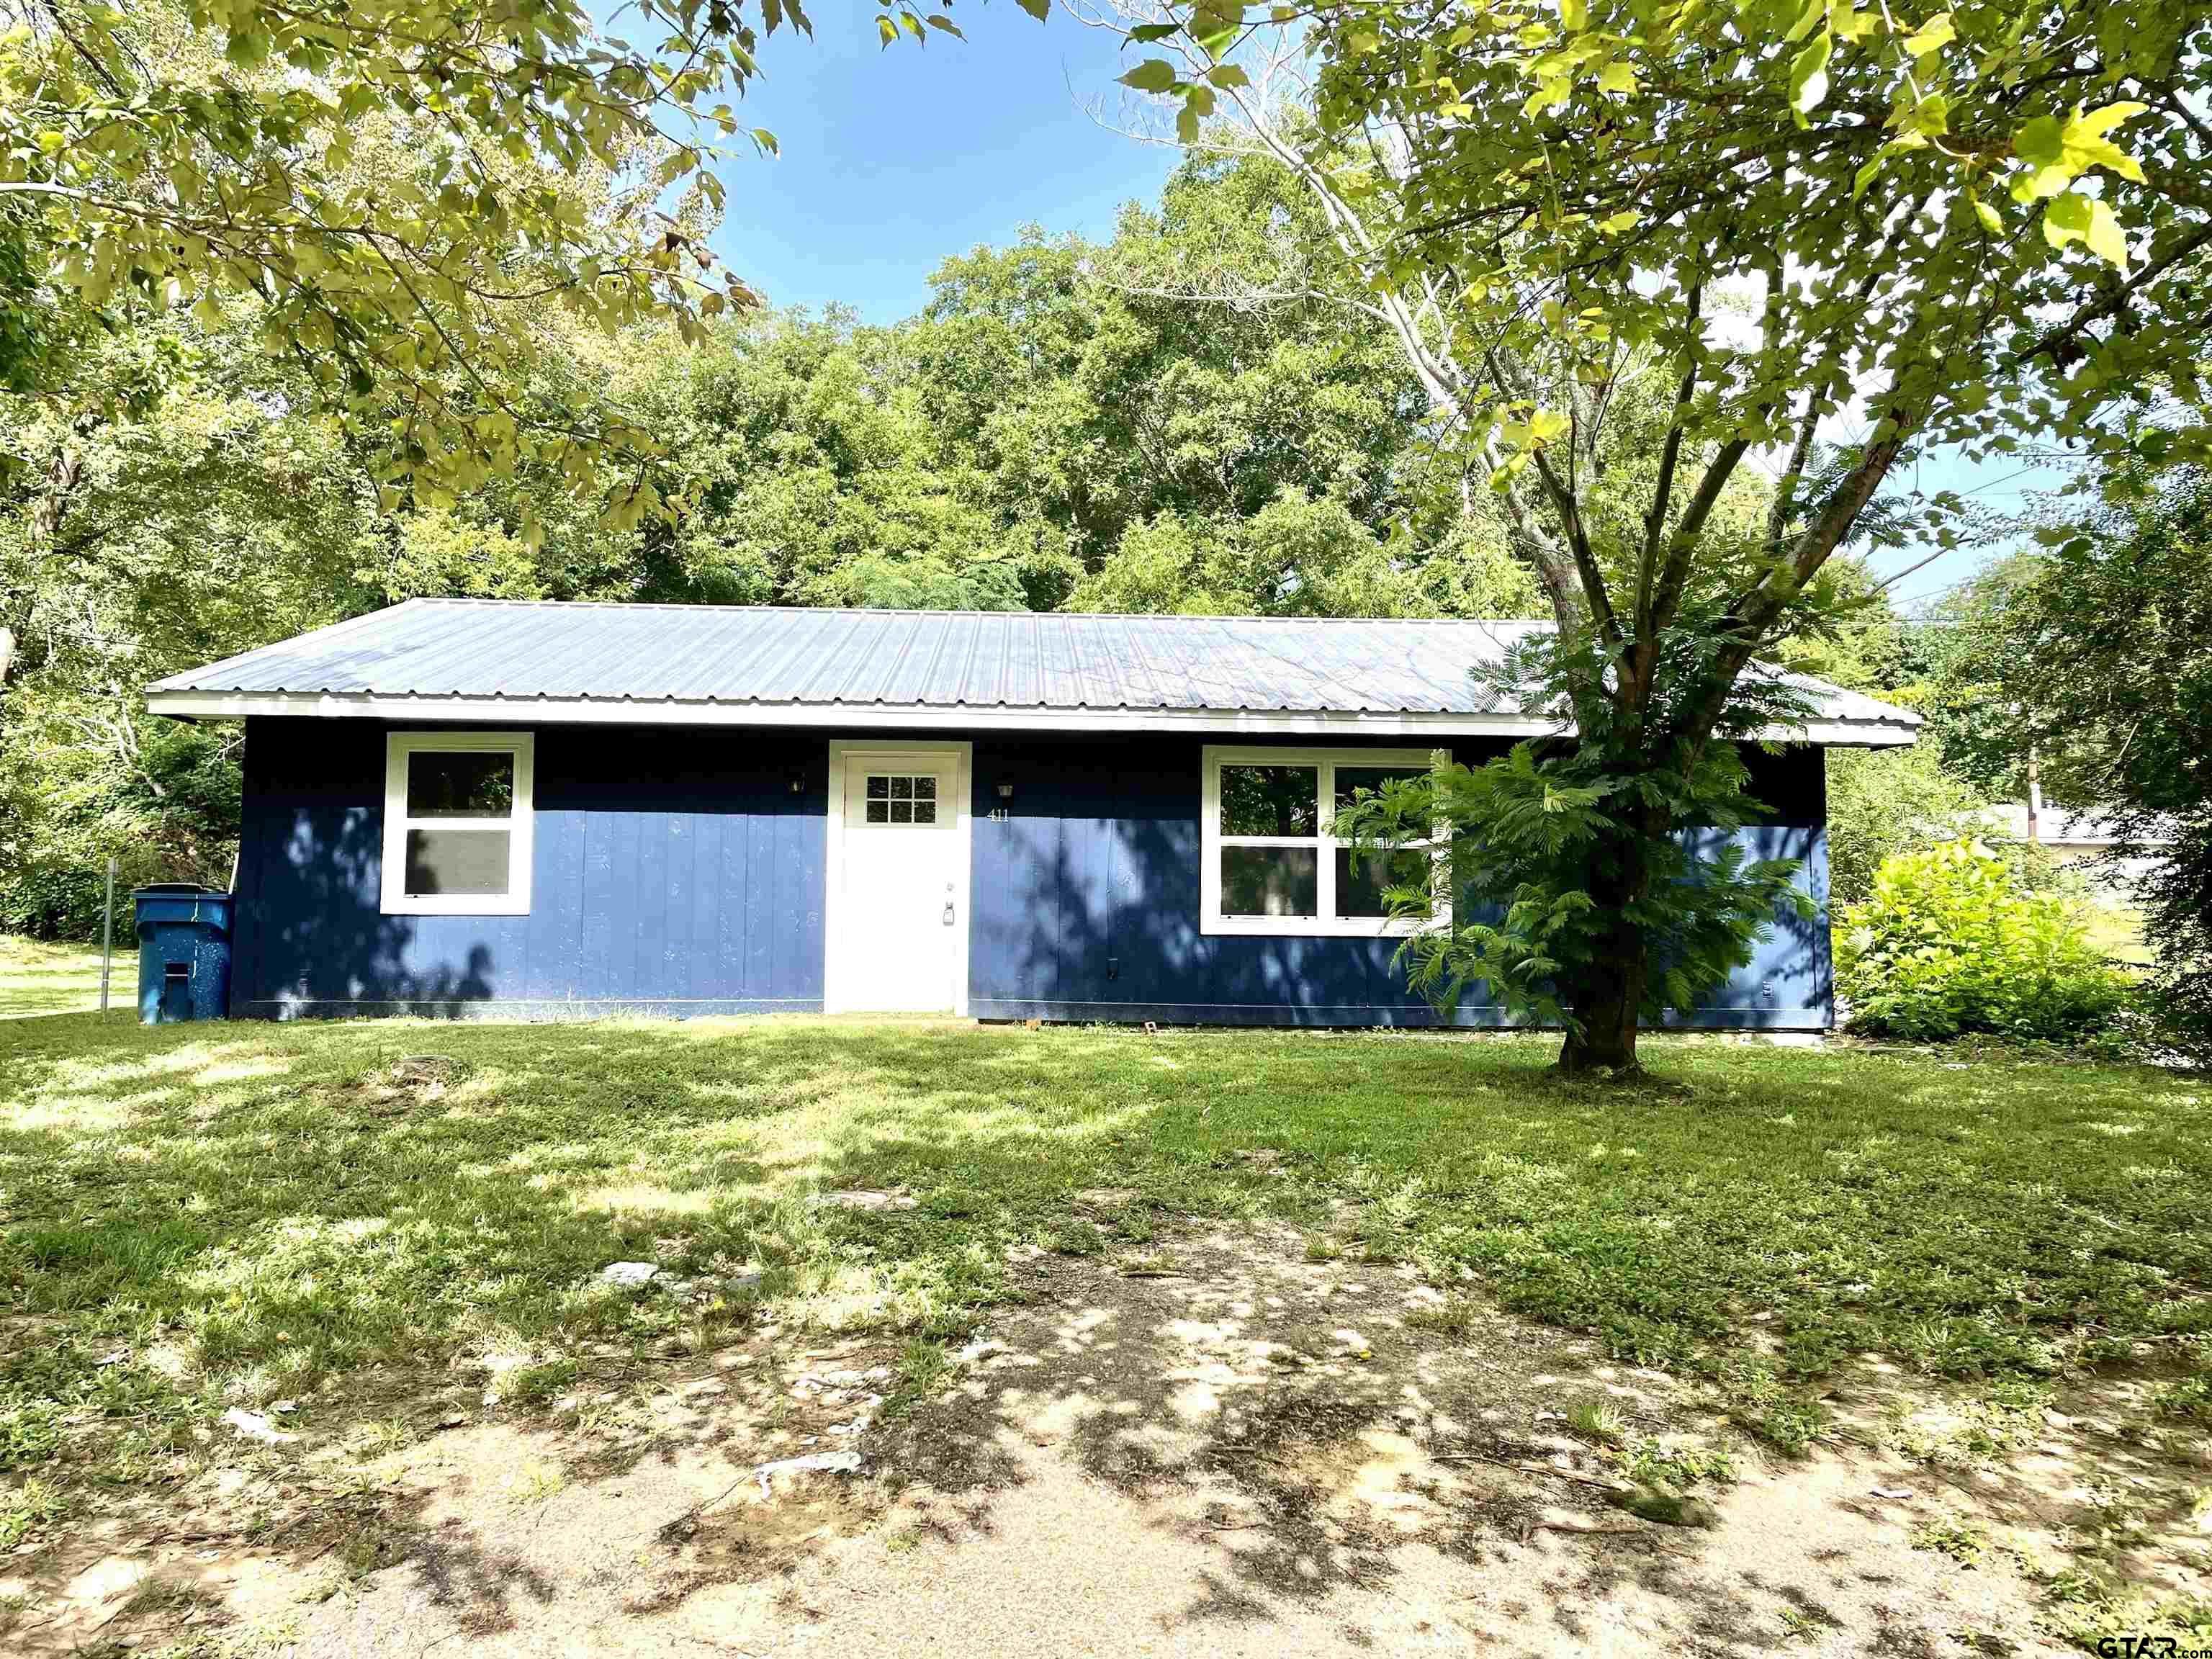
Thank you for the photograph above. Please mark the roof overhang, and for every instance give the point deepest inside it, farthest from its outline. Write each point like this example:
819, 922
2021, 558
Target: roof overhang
895, 717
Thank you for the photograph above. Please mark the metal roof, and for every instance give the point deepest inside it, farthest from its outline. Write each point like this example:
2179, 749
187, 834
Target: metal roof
486, 659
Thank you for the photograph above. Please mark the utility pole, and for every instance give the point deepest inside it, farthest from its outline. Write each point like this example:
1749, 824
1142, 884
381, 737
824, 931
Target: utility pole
2034, 796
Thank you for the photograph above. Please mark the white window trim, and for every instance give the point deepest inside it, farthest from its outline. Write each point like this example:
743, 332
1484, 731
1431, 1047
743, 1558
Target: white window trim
1325, 926
520, 826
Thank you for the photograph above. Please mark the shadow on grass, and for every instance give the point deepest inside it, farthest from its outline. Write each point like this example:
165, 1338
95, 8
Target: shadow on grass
202, 1217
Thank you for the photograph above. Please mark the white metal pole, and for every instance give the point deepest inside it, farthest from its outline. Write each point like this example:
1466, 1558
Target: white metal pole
107, 936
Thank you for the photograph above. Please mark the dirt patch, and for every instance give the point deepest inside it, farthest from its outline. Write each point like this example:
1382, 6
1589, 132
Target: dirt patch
1230, 1450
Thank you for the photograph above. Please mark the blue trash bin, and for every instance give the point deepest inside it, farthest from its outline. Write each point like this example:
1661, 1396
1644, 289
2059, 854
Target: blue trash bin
184, 952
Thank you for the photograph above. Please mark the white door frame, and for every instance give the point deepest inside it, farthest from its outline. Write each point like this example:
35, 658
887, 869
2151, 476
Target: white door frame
962, 756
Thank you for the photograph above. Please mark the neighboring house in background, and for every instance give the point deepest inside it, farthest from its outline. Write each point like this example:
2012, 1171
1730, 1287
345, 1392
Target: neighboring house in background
2081, 841
540, 810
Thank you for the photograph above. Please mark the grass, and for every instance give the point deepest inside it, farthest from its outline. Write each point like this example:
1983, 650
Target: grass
198, 1216
1952, 1536
2116, 930
61, 979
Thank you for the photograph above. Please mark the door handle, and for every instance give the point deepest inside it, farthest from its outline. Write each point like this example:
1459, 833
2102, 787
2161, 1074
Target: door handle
948, 905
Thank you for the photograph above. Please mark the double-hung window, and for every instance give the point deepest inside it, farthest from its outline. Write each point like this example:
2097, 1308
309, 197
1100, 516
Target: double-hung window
456, 823
1272, 863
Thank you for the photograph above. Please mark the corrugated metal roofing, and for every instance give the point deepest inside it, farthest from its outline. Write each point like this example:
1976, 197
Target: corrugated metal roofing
511, 651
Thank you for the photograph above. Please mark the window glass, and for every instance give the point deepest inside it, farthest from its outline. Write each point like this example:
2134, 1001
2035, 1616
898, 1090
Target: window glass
456, 861
1269, 881
1363, 878
895, 798
478, 784
1270, 801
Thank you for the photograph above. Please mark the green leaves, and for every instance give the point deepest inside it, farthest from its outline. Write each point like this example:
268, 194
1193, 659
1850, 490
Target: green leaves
1809, 73
1153, 75
394, 187
2056, 152
1730, 218
1932, 36
2073, 218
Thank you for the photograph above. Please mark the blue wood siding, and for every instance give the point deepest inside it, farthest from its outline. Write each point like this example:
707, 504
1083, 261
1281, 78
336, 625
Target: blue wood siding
675, 872
1086, 903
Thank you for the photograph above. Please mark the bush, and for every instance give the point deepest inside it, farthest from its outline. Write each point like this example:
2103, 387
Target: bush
1883, 802
1955, 939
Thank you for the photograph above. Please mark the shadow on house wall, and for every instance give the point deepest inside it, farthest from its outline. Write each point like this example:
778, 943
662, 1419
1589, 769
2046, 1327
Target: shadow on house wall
683, 872
673, 872
1088, 905
312, 937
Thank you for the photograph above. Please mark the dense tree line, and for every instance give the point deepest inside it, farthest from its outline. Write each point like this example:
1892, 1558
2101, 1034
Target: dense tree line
1431, 323
1064, 424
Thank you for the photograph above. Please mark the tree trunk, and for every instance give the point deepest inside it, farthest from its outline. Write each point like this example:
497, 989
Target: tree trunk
1610, 1002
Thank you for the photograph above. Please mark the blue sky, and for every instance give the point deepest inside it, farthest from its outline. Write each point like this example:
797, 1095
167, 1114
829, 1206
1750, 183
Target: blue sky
893, 160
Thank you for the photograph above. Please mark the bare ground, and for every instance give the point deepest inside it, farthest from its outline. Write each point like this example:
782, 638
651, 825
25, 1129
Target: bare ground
1221, 1449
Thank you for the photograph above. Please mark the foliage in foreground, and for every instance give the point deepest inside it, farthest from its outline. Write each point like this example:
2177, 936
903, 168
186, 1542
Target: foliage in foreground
1953, 939
251, 1213
1541, 889
2103, 640
1922, 208
391, 186
1884, 802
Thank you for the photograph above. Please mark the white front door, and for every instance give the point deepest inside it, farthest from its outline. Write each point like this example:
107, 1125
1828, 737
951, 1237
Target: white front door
899, 878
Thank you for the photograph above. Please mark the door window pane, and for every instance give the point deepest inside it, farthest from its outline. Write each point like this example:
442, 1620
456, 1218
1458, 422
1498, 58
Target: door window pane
457, 861
1362, 878
1269, 881
465, 785
893, 798
1270, 801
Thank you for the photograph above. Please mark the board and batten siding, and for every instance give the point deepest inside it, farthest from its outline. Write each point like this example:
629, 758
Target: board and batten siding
677, 873
1086, 898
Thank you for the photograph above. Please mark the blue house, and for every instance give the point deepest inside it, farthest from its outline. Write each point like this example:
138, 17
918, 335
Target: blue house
471, 807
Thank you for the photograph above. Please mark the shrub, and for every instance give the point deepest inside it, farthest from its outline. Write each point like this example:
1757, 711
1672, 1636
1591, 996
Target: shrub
1955, 939
1882, 802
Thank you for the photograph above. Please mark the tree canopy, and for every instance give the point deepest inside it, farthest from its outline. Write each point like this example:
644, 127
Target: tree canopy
1836, 235
2099, 643
402, 190
1052, 428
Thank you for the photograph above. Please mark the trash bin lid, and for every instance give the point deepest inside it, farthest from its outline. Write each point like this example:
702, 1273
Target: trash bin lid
182, 901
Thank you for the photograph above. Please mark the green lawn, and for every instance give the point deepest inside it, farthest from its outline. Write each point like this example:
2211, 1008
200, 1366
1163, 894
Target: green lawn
2116, 931
59, 979
200, 1216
